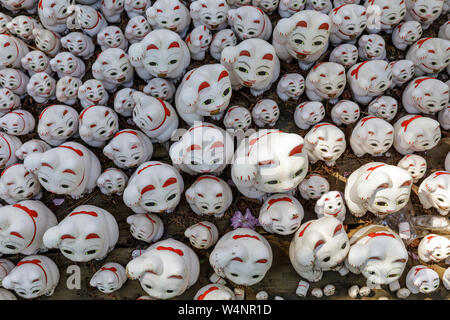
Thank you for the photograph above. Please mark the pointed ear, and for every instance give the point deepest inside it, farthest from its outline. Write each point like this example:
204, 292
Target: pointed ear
53, 64
131, 195
416, 93
313, 136
321, 201
376, 180
195, 6
3, 191
52, 238
358, 255
144, 263
7, 282
100, 37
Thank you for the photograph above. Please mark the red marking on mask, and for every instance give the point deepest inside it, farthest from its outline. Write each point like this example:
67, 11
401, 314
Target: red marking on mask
238, 236
380, 234
273, 201
169, 182
203, 85
204, 294
324, 26
77, 151
419, 81
152, 46
177, 251
149, 187
262, 261
16, 234
36, 262
92, 236
193, 147
302, 24
174, 45
237, 259
355, 72
268, 56
296, 150
406, 123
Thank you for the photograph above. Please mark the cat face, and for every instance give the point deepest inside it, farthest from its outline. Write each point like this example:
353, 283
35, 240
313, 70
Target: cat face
392, 12
326, 141
19, 183
137, 28
17, 122
409, 31
350, 20
127, 150
432, 54
424, 10
23, 26
45, 40
10, 51
202, 235
28, 281
266, 111
55, 8
163, 58
311, 112
160, 88
114, 5
164, 195
93, 91
65, 63
281, 214
378, 134
60, 123
294, 5
8, 100
36, 61
209, 195
11, 79
248, 21
136, 6
237, 118
200, 37
150, 114
430, 95
41, 84
402, 70
315, 186
373, 76
223, 39
268, 5
107, 281
373, 46
111, 37
332, 204
327, 79
67, 88
75, 42
170, 15
98, 123
384, 107
345, 54
113, 181
113, 65
212, 13
4, 19
293, 84
414, 164
347, 111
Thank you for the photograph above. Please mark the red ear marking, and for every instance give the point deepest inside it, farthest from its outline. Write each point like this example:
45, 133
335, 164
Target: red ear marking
338, 228
324, 26
268, 56
400, 260
256, 21
176, 8
237, 259
67, 236
340, 139
193, 147
203, 85
390, 132
296, 150
6, 44
169, 182
176, 276
106, 113
152, 46
374, 258
244, 53
92, 125
265, 162
134, 146
204, 5
338, 196
371, 133
322, 138
384, 185
45, 164
217, 144
406, 183
122, 55
302, 24
318, 243
174, 45
92, 236
147, 188
262, 261
222, 75
69, 171
16, 234
218, 195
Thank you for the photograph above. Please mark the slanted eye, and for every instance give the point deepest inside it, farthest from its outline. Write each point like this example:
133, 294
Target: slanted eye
226, 91
381, 203
150, 204
344, 245
242, 69
171, 197
317, 43
262, 73
326, 259
89, 252
273, 182
208, 101
67, 251
298, 41
173, 61
152, 63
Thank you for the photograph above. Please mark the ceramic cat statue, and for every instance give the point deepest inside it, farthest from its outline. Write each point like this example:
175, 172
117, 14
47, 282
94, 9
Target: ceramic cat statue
308, 114
112, 10
402, 71
112, 37
67, 90
325, 81
372, 135
92, 92
136, 7
434, 248
347, 23
423, 11
97, 125
203, 148
303, 36
250, 22
252, 63
317, 246
47, 41
8, 146
4, 19
162, 53
8, 101
369, 79
112, 181
41, 87
406, 34
166, 269
202, 235
136, 29
345, 54
268, 6
114, 69
379, 188
14, 80
66, 64
281, 214
70, 169
434, 192
313, 187
23, 225
263, 164
109, 278
147, 227
383, 107
161, 89
345, 112
325, 142
22, 26
5, 268
57, 123
379, 254
211, 13
242, 256
429, 55
415, 133
169, 14
425, 95
222, 39
129, 148
265, 113
323, 6
210, 196
415, 165
79, 44
237, 117
36, 61
371, 47
204, 92
422, 279
32, 277
124, 102
331, 204
18, 122
12, 51
198, 42
86, 233
16, 6
290, 86
154, 187
17, 184
214, 292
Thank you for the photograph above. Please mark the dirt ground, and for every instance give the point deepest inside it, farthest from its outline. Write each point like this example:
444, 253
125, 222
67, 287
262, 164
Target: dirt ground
281, 279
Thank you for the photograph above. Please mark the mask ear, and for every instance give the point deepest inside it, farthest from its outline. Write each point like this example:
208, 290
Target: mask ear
52, 238
145, 263
364, 83
314, 77
7, 282
3, 191
195, 6
100, 38
367, 187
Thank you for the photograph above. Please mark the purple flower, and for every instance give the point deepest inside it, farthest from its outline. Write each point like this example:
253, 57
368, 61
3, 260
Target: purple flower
244, 221
58, 201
